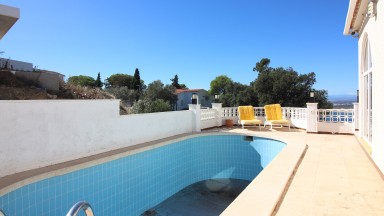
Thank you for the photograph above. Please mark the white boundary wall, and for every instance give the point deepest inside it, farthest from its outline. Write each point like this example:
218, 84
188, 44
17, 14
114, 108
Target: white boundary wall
38, 133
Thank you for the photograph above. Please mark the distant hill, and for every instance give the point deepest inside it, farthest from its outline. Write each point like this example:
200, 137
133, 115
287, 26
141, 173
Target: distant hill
342, 97
342, 101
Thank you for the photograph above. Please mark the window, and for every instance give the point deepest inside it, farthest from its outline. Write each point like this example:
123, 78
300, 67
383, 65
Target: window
367, 88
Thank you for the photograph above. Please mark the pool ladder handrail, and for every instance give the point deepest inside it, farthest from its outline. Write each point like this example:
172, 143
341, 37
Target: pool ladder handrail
82, 205
2, 213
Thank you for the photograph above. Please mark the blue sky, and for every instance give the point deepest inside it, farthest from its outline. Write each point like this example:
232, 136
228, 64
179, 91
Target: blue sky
198, 40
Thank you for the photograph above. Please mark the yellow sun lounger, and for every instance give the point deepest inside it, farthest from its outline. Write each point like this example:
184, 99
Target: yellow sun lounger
274, 116
247, 116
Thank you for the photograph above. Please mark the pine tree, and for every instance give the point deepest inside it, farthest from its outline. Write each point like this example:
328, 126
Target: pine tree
136, 80
98, 82
137, 83
175, 82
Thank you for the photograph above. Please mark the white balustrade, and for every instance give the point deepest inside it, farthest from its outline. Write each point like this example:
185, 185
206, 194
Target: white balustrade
229, 113
259, 111
208, 118
336, 120
295, 113
322, 120
335, 115
208, 114
298, 116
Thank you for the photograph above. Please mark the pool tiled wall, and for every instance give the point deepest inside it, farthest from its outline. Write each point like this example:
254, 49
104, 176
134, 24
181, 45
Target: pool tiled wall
131, 185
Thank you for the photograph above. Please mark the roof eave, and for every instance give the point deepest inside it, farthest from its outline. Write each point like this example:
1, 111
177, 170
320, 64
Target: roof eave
8, 17
348, 20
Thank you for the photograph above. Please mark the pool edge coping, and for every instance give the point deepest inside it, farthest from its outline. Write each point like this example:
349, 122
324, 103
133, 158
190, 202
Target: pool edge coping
266, 192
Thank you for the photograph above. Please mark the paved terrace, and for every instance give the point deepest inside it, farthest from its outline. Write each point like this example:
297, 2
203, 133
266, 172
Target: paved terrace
335, 177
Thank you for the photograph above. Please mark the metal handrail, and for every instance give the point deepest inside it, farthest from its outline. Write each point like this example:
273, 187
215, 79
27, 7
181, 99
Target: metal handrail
2, 213
82, 205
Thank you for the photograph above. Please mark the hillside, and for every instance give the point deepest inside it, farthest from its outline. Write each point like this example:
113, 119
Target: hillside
12, 88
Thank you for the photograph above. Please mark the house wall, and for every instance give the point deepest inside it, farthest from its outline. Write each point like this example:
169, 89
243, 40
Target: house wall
205, 99
183, 99
39, 133
374, 30
16, 65
50, 81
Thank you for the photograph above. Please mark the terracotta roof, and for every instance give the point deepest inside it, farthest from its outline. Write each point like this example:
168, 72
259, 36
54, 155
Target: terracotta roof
178, 91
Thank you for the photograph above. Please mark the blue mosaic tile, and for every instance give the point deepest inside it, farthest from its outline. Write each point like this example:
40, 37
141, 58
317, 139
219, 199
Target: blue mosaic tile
131, 185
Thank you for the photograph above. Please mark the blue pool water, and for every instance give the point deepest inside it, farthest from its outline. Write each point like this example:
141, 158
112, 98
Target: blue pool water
132, 184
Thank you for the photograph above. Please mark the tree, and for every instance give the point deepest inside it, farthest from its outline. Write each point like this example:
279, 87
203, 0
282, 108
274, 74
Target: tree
224, 86
81, 81
123, 93
221, 84
285, 86
157, 98
119, 80
157, 90
183, 86
98, 82
175, 82
246, 95
262, 65
137, 83
237, 94
150, 106
319, 98
136, 80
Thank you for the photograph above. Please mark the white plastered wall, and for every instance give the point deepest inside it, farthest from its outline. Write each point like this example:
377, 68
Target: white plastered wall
374, 30
38, 133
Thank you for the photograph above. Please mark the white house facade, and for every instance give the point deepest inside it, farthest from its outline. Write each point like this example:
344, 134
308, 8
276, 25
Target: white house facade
184, 97
365, 21
15, 65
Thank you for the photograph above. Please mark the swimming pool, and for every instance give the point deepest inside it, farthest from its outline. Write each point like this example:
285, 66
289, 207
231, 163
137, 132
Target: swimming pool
132, 184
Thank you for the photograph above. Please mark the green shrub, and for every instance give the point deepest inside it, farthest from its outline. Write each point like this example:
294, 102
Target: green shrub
119, 80
150, 106
123, 93
81, 81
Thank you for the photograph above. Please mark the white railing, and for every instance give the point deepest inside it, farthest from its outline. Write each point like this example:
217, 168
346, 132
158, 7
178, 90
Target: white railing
229, 112
327, 120
295, 113
336, 120
259, 112
298, 116
208, 118
335, 115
